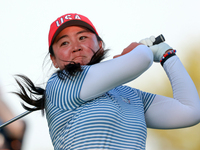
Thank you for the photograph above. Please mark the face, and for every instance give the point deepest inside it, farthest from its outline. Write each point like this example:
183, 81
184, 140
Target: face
75, 44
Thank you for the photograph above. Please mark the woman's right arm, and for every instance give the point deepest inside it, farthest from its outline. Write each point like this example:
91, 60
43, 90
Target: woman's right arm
107, 75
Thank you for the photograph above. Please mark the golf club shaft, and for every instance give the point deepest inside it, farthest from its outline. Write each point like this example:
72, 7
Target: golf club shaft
16, 118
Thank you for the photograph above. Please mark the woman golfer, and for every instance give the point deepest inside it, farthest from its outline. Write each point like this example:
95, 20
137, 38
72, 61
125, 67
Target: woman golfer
86, 104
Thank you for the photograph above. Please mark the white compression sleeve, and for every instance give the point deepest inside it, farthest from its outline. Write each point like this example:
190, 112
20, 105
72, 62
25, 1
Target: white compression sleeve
104, 76
183, 109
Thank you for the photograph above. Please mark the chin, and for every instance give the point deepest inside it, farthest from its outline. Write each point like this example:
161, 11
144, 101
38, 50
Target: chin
81, 63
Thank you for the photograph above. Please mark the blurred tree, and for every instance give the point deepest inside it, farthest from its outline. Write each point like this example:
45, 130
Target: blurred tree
186, 138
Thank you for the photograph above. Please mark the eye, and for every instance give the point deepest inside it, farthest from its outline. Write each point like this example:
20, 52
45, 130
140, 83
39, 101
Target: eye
82, 37
64, 43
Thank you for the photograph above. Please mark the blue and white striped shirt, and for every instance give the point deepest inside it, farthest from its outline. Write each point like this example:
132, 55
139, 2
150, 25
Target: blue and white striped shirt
114, 120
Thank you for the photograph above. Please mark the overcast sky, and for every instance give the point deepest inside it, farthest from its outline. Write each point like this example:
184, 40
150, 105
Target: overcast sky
24, 27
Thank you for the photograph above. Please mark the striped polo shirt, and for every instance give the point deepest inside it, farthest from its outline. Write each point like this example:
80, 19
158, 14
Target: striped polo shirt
114, 120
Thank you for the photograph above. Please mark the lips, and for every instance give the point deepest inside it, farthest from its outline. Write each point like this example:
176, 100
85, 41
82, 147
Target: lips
77, 57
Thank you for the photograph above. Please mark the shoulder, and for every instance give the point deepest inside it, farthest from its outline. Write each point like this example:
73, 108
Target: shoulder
133, 92
57, 84
65, 93
67, 77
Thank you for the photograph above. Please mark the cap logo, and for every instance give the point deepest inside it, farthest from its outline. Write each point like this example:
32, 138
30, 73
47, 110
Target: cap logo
67, 17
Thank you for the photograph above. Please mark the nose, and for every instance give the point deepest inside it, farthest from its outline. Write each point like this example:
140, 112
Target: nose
76, 47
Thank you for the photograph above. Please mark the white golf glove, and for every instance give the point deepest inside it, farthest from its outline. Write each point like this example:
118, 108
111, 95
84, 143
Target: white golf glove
158, 51
148, 41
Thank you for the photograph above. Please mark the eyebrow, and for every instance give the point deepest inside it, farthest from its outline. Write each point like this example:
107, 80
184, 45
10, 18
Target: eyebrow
64, 36
61, 38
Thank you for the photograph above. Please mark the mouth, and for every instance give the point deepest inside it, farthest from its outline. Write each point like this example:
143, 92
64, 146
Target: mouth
77, 57
83, 60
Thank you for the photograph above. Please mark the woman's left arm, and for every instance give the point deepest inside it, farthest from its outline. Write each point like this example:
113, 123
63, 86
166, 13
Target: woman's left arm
183, 110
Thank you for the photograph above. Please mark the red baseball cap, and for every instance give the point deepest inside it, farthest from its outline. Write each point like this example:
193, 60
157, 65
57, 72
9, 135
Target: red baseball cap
71, 19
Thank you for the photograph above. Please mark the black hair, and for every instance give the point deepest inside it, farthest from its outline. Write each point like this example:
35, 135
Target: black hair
36, 96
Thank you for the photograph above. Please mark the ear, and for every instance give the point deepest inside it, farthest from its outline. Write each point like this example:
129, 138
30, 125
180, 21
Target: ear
53, 59
100, 44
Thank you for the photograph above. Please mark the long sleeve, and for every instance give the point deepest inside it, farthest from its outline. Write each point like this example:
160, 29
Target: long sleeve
183, 109
104, 76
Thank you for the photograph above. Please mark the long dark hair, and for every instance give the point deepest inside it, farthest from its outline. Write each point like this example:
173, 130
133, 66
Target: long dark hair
36, 96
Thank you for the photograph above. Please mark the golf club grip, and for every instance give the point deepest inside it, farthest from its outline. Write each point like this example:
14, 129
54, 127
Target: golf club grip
159, 39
